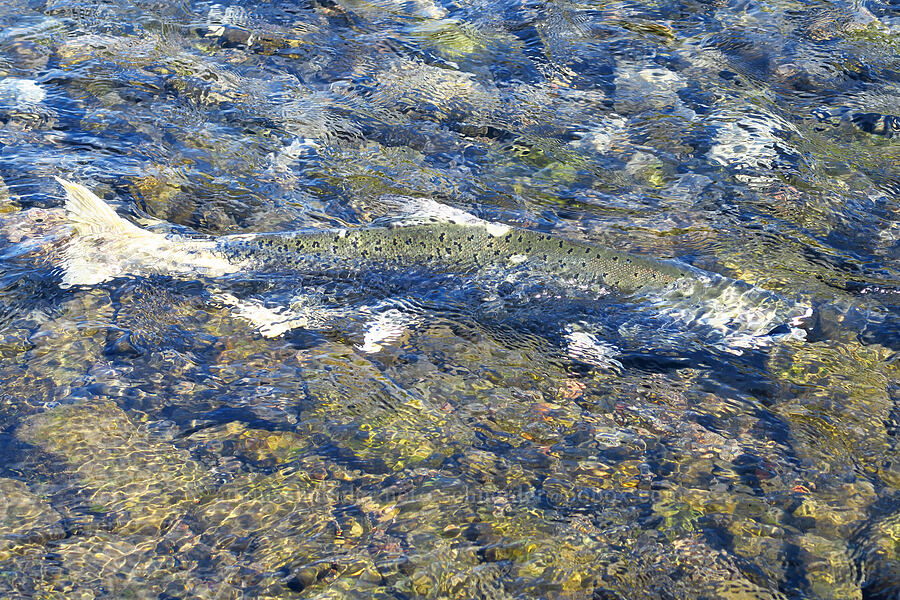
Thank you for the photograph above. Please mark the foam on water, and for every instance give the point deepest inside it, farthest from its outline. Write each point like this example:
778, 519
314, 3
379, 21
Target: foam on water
21, 93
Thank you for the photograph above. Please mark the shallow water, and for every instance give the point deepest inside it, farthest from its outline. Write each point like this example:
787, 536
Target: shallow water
427, 434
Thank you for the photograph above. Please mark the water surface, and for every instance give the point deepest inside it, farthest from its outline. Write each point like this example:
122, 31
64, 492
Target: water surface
427, 435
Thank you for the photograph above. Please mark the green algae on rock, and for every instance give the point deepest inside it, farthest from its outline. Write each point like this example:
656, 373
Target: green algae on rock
136, 480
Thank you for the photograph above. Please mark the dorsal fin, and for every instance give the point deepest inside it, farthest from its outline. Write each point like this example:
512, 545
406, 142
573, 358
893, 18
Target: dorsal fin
418, 211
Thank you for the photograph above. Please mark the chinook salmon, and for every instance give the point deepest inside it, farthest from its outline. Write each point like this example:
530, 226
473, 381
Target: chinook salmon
105, 245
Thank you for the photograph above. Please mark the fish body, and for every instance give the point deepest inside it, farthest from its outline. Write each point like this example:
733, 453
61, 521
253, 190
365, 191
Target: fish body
457, 247
454, 241
105, 245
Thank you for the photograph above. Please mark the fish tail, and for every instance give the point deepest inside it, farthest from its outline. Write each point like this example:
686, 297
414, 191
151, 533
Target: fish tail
104, 245
88, 214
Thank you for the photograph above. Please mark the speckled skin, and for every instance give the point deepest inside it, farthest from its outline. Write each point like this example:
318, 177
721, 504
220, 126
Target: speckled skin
462, 248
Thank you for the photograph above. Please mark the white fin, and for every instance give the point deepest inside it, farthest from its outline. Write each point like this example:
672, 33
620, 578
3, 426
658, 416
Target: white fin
91, 215
270, 322
418, 211
106, 246
590, 349
386, 328
303, 313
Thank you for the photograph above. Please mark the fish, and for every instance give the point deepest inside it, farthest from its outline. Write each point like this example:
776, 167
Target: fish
107, 246
434, 236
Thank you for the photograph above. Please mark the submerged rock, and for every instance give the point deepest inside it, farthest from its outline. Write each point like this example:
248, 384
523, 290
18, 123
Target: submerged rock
138, 482
25, 519
827, 23
877, 124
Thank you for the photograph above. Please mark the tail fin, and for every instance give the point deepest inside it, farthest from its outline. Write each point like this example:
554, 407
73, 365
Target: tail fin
90, 215
106, 246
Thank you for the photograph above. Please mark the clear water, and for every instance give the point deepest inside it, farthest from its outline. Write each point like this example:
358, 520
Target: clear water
441, 437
